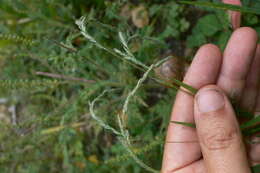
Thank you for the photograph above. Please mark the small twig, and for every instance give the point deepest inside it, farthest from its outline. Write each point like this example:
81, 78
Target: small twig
74, 50
128, 57
12, 110
135, 158
52, 75
59, 128
71, 49
99, 120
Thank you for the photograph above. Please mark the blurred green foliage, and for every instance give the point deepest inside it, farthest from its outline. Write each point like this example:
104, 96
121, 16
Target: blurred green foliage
215, 26
41, 36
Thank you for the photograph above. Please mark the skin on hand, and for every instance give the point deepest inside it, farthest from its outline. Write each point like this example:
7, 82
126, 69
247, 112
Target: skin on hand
235, 17
216, 144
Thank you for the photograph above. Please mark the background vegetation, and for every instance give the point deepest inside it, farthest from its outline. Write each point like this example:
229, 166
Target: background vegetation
50, 72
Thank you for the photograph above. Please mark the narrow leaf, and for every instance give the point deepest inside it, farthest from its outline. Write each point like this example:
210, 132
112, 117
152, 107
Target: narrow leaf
222, 6
185, 124
250, 123
251, 131
245, 131
255, 169
241, 112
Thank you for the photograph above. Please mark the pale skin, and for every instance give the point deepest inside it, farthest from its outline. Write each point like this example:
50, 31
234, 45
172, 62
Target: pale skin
216, 145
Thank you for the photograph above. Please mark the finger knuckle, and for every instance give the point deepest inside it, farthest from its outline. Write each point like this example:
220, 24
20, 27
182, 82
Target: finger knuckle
219, 138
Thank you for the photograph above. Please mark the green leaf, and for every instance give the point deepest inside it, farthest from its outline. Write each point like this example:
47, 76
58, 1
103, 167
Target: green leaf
224, 19
258, 31
169, 31
196, 39
250, 123
255, 169
251, 131
185, 124
184, 25
241, 112
222, 6
250, 19
209, 25
244, 127
223, 39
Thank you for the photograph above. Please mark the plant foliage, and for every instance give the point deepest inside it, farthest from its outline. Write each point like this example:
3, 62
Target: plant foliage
52, 70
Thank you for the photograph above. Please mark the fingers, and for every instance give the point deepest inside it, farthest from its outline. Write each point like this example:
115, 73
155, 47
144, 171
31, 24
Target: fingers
218, 132
235, 16
250, 102
252, 84
203, 71
237, 60
197, 167
257, 106
254, 152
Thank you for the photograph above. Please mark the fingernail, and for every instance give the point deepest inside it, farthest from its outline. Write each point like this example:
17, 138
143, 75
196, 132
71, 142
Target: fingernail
210, 100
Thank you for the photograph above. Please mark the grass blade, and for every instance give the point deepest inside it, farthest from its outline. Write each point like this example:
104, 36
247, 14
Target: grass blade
255, 169
244, 128
184, 123
250, 123
222, 6
241, 113
251, 131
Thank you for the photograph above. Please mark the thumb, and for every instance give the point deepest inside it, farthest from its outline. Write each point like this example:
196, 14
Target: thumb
218, 131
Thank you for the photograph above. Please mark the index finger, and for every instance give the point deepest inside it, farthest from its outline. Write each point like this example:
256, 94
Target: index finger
180, 149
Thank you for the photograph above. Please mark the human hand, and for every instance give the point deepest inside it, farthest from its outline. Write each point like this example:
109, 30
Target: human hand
216, 145
235, 16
